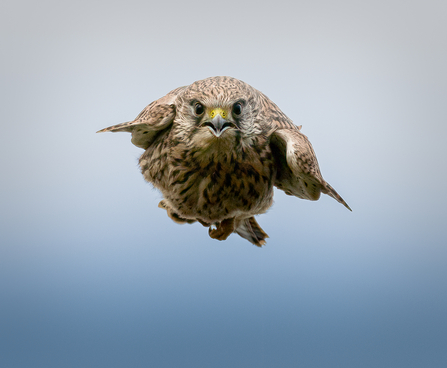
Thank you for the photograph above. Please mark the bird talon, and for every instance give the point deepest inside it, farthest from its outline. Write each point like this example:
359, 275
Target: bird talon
223, 229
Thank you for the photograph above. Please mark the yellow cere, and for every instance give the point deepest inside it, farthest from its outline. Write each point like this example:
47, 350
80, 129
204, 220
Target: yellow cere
219, 111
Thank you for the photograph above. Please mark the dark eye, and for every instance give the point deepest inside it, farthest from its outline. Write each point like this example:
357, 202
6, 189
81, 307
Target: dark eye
198, 109
237, 108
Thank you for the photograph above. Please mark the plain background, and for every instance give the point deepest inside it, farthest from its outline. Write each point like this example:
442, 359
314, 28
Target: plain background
93, 274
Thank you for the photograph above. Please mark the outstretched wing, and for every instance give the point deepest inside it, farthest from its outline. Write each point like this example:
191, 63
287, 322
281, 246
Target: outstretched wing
153, 120
298, 172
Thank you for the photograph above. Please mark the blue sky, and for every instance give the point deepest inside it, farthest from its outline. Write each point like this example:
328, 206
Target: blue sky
93, 274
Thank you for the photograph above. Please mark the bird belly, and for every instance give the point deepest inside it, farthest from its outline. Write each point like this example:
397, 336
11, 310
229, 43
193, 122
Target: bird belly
211, 201
224, 190
211, 189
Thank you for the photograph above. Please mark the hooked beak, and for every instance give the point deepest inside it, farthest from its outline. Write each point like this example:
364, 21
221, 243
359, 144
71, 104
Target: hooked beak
218, 125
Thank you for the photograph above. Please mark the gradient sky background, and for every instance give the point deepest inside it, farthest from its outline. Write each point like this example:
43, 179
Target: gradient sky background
93, 274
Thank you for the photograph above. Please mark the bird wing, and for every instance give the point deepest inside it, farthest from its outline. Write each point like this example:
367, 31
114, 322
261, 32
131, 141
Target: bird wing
298, 172
152, 121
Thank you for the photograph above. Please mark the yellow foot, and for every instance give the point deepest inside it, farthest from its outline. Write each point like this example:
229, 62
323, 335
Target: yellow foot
223, 229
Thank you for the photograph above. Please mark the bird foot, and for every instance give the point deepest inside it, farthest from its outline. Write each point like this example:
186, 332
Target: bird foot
223, 229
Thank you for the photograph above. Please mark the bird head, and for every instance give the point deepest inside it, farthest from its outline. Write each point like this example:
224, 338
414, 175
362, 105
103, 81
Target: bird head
217, 112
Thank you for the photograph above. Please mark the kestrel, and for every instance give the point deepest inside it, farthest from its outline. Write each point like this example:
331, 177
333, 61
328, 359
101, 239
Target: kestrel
216, 148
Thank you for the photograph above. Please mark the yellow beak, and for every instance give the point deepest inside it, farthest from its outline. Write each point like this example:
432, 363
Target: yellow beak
218, 123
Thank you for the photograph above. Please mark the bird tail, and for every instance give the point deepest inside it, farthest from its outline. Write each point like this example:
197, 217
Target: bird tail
249, 229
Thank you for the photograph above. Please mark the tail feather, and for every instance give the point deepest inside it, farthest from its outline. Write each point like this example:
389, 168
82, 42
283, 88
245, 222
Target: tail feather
249, 229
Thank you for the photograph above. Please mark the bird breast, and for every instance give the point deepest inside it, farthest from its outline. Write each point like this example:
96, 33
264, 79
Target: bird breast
215, 185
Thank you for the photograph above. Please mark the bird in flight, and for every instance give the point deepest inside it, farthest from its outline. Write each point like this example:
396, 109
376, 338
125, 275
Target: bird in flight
216, 148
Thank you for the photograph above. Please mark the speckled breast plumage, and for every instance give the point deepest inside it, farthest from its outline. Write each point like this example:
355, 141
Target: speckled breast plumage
211, 186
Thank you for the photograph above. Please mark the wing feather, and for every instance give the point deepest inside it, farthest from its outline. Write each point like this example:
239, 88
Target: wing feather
152, 121
298, 172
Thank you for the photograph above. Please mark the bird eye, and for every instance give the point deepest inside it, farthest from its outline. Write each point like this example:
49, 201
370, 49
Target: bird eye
198, 109
237, 108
